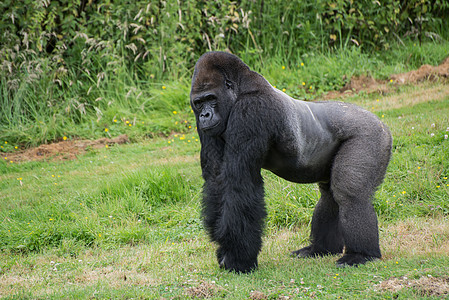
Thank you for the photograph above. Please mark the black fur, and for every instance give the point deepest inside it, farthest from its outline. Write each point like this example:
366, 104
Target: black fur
245, 124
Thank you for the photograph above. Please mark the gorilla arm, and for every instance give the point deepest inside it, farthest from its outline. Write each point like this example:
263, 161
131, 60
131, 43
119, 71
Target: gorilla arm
239, 225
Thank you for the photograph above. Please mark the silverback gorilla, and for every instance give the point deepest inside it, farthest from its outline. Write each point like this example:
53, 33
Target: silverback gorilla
245, 124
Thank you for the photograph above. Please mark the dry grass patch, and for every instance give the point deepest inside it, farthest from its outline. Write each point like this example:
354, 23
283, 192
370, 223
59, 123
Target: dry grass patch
416, 236
256, 295
425, 93
203, 290
141, 265
424, 286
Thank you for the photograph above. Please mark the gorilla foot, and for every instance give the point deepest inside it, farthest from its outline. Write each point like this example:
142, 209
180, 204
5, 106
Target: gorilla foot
309, 251
354, 259
303, 252
237, 266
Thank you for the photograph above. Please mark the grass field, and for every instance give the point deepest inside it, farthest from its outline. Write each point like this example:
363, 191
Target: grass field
123, 221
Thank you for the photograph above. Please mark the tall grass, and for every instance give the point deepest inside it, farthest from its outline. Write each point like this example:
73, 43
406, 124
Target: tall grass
70, 69
43, 110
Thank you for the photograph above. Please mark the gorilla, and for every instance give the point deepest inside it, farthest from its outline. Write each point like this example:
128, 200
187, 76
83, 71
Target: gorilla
245, 124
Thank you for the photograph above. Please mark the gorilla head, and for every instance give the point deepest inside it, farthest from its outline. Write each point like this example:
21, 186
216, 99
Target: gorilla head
245, 125
216, 85
212, 86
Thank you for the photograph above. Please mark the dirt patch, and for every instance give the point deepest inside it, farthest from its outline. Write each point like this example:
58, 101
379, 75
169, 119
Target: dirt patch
65, 150
203, 290
425, 72
424, 286
365, 84
369, 85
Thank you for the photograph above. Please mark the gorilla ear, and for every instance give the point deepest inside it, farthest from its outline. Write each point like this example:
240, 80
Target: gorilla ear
229, 84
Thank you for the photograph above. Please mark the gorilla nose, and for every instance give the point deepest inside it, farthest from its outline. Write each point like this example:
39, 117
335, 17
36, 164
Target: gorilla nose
206, 115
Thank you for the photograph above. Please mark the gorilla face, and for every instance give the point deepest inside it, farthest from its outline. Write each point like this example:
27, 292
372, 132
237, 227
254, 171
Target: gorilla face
212, 97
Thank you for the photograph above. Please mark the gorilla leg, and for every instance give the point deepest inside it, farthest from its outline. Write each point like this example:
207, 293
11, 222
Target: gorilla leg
326, 237
358, 169
359, 227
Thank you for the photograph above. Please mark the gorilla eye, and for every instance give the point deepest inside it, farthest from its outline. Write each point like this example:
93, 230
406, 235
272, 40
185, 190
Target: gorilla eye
228, 84
209, 99
198, 104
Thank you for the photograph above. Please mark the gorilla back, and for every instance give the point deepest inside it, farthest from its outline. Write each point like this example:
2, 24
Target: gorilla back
245, 125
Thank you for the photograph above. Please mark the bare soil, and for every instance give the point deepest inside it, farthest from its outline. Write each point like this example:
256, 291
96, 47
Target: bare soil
64, 150
369, 85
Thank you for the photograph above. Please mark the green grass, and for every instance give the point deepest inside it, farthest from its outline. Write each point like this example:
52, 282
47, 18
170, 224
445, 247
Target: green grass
123, 221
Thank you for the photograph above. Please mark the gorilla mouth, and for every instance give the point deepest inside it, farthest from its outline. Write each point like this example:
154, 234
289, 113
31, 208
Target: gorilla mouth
208, 128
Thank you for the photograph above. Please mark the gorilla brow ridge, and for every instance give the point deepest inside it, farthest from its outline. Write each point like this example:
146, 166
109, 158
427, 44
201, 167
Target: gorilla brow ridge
202, 86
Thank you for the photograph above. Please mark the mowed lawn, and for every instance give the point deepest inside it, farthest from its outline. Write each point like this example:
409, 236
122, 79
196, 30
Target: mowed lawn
124, 222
